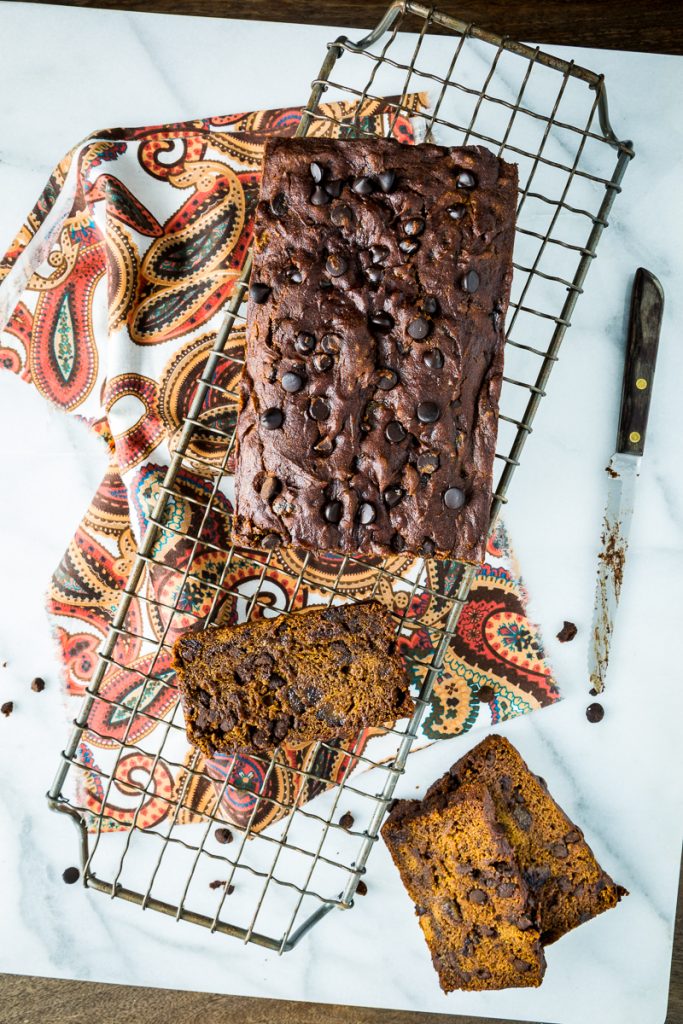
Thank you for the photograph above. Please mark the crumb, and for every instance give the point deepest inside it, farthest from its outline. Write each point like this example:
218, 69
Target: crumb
223, 835
38, 685
485, 694
71, 875
7, 708
362, 889
346, 820
567, 633
218, 884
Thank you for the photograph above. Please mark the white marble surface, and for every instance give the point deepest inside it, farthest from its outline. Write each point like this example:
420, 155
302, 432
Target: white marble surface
70, 71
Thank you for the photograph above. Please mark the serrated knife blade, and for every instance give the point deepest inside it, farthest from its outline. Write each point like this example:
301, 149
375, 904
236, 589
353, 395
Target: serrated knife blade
647, 306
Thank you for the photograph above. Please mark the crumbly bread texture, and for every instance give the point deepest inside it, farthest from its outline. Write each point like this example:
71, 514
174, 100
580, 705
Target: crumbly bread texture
322, 673
566, 883
472, 902
374, 354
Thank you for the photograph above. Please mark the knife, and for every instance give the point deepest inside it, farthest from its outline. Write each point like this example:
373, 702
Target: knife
647, 306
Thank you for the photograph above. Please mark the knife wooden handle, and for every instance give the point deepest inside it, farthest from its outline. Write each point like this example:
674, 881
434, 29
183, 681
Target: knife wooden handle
647, 306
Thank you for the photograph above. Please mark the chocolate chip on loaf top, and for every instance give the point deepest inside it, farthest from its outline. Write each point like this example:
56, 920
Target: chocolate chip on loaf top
321, 673
374, 355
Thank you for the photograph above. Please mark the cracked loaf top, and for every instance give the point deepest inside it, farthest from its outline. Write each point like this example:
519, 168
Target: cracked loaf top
374, 355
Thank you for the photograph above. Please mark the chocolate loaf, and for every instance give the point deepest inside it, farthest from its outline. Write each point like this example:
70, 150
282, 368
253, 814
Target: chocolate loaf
472, 902
322, 673
374, 354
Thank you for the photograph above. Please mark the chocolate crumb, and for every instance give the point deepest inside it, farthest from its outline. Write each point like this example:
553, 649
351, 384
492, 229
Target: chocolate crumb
223, 835
221, 884
71, 875
362, 888
7, 708
485, 694
38, 685
346, 820
567, 633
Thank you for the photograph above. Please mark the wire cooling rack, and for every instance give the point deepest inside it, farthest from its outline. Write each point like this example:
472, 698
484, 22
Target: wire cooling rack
551, 118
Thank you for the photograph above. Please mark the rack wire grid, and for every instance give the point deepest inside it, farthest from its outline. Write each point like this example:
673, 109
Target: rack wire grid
551, 118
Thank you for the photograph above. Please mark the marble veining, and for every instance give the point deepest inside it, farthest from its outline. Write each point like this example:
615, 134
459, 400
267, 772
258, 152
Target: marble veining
621, 780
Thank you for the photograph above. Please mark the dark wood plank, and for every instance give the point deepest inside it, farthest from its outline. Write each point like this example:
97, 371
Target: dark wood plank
25, 1000
655, 26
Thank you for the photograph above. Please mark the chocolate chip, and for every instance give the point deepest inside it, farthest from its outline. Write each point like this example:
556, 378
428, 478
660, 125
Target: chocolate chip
457, 211
567, 633
324, 447
433, 358
275, 681
393, 496
398, 543
336, 265
595, 712
363, 186
382, 322
278, 205
387, 180
523, 923
428, 412
258, 293
573, 837
342, 651
305, 343
521, 965
430, 305
272, 419
470, 281
7, 708
559, 850
316, 172
378, 253
223, 836
312, 695
341, 215
395, 432
322, 362
333, 512
454, 498
523, 817
408, 246
427, 548
319, 408
466, 180
295, 701
295, 275
428, 463
260, 738
506, 889
282, 507
413, 227
281, 727
387, 379
70, 875
362, 889
330, 343
346, 820
334, 188
366, 513
270, 541
270, 488
477, 896
419, 328
374, 275
38, 685
485, 694
292, 382
228, 723
320, 196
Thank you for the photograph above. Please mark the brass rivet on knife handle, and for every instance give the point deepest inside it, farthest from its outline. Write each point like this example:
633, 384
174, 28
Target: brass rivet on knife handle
647, 305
